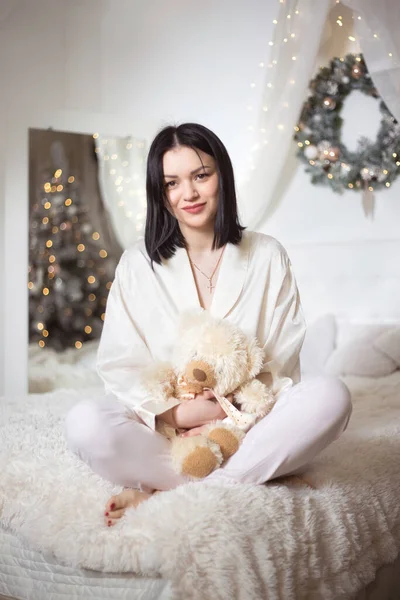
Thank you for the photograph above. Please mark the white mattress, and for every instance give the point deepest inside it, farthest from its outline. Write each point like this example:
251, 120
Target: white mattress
26, 574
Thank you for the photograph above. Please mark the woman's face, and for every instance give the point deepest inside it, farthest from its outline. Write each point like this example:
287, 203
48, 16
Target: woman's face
189, 184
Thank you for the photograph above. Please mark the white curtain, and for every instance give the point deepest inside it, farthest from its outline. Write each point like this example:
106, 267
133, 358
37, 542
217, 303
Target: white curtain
377, 27
122, 180
293, 51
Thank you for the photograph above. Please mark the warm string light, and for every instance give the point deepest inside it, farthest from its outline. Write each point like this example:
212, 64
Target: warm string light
126, 185
273, 43
352, 38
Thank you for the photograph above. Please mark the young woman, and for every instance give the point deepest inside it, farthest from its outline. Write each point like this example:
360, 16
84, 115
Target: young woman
196, 254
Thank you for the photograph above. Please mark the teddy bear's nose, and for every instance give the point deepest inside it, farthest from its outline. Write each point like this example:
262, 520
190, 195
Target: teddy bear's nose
199, 375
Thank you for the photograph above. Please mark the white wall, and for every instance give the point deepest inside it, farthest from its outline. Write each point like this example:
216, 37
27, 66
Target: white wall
152, 62
128, 66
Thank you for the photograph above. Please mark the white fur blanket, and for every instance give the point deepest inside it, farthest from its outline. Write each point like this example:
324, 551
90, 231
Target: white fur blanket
49, 370
278, 541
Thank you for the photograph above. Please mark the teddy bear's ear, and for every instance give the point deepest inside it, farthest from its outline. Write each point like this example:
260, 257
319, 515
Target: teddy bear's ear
191, 319
255, 358
159, 380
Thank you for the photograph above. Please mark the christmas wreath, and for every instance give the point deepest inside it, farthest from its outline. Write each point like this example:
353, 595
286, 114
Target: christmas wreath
374, 164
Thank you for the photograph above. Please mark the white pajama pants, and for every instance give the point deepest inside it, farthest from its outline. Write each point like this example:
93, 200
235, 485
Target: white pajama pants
117, 445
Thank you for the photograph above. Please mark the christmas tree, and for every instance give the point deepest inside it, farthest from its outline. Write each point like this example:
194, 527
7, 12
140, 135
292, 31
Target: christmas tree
70, 272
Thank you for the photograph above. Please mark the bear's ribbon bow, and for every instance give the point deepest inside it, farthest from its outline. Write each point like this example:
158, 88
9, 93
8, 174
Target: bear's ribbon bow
242, 420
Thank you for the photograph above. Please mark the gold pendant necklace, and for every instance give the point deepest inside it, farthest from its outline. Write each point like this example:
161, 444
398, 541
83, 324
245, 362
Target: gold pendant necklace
210, 285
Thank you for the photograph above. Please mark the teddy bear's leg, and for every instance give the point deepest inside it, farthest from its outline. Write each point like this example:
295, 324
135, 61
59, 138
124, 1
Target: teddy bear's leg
228, 437
196, 457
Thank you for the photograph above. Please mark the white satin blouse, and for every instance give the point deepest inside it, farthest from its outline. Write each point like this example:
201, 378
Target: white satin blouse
255, 289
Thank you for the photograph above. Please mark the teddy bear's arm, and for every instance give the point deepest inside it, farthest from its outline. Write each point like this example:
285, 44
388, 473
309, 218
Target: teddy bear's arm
160, 381
254, 397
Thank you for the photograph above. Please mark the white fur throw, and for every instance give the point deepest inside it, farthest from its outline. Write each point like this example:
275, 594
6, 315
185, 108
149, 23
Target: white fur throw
72, 368
244, 542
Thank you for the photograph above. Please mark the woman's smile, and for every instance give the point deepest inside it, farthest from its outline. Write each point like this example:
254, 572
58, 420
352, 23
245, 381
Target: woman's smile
196, 208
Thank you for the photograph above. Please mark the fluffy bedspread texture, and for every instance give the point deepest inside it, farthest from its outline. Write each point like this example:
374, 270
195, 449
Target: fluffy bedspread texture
281, 540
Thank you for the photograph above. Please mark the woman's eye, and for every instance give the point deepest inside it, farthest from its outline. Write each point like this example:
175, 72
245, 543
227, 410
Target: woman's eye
171, 184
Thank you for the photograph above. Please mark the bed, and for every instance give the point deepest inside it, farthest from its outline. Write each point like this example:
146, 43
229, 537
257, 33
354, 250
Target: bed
335, 535
338, 537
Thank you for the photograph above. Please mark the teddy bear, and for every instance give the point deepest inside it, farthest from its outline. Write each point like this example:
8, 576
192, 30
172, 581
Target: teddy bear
214, 354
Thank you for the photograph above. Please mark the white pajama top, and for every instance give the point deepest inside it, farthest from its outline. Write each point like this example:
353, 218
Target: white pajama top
255, 289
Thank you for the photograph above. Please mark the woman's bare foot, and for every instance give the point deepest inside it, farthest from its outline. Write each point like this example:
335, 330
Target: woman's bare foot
117, 505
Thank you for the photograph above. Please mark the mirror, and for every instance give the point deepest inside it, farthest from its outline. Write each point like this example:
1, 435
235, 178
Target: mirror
73, 252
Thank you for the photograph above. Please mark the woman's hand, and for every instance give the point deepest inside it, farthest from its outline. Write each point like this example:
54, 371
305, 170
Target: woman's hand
199, 430
194, 431
203, 409
194, 413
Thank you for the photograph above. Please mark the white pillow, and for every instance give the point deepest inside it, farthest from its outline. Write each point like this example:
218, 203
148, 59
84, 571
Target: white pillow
389, 344
347, 331
359, 357
318, 345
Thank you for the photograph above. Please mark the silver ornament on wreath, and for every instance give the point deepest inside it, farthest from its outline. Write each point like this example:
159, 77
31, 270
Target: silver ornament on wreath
311, 152
332, 88
368, 173
356, 71
324, 146
334, 154
365, 174
329, 103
